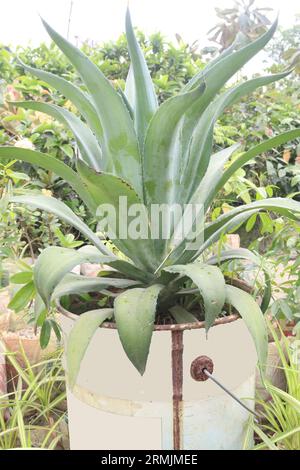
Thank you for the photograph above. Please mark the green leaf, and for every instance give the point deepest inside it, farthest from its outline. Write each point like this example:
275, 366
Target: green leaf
54, 262
80, 336
68, 150
45, 334
242, 253
56, 329
269, 442
181, 315
201, 143
145, 101
48, 162
284, 206
251, 222
213, 173
132, 271
120, 146
135, 315
40, 310
254, 319
21, 278
215, 75
62, 211
211, 284
124, 267
292, 401
201, 197
76, 284
238, 253
126, 102
21, 299
86, 141
254, 152
162, 162
219, 71
72, 93
109, 189
184, 254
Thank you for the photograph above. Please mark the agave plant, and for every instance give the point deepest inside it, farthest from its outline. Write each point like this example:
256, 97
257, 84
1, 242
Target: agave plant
131, 147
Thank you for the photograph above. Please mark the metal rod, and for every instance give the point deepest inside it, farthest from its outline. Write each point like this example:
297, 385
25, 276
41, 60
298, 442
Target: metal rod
177, 380
210, 376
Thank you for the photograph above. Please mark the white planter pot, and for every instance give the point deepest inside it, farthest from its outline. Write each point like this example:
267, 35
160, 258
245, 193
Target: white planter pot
113, 407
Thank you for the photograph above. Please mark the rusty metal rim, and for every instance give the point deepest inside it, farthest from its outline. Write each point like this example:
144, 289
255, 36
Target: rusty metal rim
169, 327
175, 326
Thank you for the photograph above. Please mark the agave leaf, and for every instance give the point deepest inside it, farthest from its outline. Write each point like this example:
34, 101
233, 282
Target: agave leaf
230, 221
132, 271
130, 88
126, 102
134, 312
162, 150
145, 101
80, 337
243, 253
285, 206
252, 153
200, 147
72, 93
181, 315
200, 196
240, 41
86, 141
224, 67
213, 174
63, 212
211, 284
215, 76
109, 189
50, 163
120, 146
76, 284
54, 262
184, 253
238, 253
124, 267
254, 319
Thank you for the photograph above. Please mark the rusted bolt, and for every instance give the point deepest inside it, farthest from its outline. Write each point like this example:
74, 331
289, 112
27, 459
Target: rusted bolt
198, 365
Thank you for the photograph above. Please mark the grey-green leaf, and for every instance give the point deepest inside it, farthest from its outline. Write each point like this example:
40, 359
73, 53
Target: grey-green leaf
80, 337
254, 152
211, 284
109, 189
200, 145
162, 150
253, 317
72, 93
120, 146
181, 315
54, 262
285, 206
145, 101
76, 284
62, 211
48, 162
86, 141
135, 311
